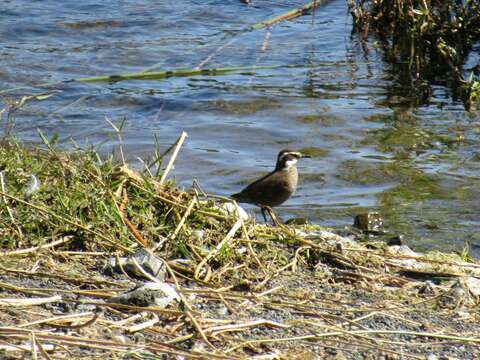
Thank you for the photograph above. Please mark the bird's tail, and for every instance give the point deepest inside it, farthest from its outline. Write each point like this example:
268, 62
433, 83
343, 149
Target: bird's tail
238, 197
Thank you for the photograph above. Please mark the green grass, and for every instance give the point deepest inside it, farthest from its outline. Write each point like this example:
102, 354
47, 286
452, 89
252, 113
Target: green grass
86, 197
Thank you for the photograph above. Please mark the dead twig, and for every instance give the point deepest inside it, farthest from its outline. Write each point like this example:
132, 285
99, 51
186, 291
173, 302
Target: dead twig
217, 249
217, 330
180, 141
37, 248
29, 302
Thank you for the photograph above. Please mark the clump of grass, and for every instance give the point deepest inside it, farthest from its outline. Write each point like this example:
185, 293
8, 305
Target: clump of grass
96, 202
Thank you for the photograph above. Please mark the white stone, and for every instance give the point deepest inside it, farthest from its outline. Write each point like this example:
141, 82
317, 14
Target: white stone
473, 285
198, 234
229, 208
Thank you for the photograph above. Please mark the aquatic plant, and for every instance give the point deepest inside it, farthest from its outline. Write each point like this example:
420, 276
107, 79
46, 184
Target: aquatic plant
426, 42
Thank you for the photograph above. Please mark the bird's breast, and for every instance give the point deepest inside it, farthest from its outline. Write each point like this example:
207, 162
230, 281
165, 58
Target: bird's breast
292, 178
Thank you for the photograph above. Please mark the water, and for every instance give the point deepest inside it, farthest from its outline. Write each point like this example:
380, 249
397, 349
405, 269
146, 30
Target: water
374, 148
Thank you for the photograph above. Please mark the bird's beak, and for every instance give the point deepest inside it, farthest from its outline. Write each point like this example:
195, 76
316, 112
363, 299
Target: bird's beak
304, 156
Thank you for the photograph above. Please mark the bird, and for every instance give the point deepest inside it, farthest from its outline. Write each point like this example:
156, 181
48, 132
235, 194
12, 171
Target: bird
274, 188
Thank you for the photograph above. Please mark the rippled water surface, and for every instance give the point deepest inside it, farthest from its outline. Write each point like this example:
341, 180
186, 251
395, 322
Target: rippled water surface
372, 146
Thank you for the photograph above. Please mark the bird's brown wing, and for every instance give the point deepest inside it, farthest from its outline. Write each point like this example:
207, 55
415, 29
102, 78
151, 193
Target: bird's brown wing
250, 191
270, 190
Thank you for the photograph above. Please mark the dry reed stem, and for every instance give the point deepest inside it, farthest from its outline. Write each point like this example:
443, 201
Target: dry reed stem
227, 305
75, 280
217, 330
144, 325
346, 332
145, 273
29, 302
199, 329
6, 286
89, 322
23, 348
179, 225
180, 339
120, 265
155, 309
289, 14
189, 312
57, 318
33, 348
269, 291
360, 318
80, 254
401, 354
180, 141
3, 187
136, 234
329, 317
358, 332
121, 213
247, 239
33, 249
217, 249
103, 344
127, 320
43, 351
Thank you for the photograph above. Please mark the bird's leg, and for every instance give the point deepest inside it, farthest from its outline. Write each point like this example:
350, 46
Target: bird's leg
264, 208
274, 217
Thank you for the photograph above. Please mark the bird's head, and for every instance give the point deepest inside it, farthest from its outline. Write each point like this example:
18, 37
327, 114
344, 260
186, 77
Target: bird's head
288, 158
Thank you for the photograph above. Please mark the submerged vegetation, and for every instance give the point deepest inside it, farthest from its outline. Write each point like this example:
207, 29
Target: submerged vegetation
426, 42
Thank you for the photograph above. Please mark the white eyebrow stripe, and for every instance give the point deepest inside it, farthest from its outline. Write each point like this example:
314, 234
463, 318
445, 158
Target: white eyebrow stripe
296, 153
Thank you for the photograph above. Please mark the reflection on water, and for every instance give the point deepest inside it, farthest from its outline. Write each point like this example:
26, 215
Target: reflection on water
372, 145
